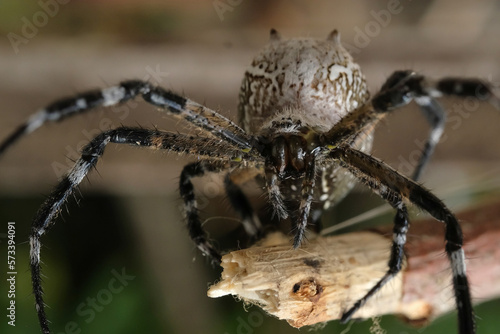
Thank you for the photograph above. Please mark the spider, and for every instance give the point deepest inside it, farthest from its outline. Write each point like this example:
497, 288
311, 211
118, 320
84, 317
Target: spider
307, 123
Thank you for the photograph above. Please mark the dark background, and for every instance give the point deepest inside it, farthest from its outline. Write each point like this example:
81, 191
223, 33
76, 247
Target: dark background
129, 217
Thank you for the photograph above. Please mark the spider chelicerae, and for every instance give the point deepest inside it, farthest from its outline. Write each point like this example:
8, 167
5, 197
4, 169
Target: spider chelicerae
306, 128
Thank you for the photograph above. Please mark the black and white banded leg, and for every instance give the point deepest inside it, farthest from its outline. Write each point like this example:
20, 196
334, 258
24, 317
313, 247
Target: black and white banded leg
396, 95
241, 205
274, 192
399, 232
172, 103
394, 187
186, 189
45, 218
416, 87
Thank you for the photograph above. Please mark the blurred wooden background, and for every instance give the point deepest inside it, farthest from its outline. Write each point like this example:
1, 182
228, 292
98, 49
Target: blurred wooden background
201, 49
99, 43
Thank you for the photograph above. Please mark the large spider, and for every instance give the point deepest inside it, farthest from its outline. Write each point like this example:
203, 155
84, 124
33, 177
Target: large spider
307, 124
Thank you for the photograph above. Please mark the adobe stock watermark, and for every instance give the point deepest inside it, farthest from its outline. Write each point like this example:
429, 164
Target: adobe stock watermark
30, 27
89, 309
155, 75
223, 6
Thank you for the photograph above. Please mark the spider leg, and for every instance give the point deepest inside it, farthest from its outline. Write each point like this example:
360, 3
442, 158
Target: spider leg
398, 92
393, 96
240, 203
436, 118
394, 187
316, 213
433, 113
417, 87
209, 148
274, 192
172, 103
186, 189
305, 203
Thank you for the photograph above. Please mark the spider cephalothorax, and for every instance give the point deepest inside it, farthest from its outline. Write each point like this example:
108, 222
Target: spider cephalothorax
307, 124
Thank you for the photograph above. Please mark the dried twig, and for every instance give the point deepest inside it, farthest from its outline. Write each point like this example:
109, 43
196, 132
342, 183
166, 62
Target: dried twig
319, 281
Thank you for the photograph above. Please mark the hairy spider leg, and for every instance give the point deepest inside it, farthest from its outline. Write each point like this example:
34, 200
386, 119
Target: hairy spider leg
307, 198
436, 117
208, 148
274, 193
433, 113
394, 187
241, 205
400, 95
413, 88
237, 198
172, 103
186, 189
400, 230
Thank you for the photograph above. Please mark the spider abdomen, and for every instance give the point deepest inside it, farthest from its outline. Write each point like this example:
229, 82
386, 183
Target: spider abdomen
315, 80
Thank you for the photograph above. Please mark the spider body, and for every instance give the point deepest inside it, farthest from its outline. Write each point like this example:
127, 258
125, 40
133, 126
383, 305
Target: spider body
315, 81
307, 125
293, 92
